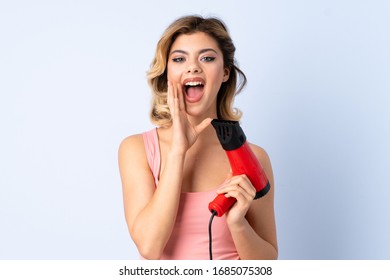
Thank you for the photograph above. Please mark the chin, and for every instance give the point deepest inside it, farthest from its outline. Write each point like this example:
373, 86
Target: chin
200, 110
199, 115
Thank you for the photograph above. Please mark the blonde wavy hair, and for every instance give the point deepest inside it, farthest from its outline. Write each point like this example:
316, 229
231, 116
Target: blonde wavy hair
157, 74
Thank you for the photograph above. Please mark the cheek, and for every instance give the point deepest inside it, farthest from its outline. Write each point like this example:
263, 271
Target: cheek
173, 73
218, 72
217, 77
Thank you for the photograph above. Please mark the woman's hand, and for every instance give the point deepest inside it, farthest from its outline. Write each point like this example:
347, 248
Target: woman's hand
241, 188
184, 134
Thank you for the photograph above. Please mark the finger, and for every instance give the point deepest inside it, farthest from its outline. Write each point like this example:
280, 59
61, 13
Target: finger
174, 101
240, 194
168, 91
248, 190
244, 183
230, 174
242, 180
170, 98
180, 96
229, 189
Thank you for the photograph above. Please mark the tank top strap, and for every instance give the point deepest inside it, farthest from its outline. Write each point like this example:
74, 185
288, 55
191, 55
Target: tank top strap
152, 149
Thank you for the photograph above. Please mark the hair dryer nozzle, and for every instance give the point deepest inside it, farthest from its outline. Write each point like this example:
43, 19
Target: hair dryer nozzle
230, 134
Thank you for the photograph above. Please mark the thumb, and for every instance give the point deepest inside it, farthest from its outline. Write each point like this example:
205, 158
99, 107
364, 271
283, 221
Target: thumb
230, 174
205, 123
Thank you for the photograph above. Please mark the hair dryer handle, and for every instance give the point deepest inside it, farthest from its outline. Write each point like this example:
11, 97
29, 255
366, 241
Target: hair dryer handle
221, 204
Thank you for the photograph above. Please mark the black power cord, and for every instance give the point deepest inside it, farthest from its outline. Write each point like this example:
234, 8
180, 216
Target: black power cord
213, 214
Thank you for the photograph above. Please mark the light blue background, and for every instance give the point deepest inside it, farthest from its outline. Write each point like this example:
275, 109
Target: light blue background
72, 86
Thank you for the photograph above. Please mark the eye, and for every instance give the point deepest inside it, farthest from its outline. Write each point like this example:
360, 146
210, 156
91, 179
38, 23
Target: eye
207, 58
178, 59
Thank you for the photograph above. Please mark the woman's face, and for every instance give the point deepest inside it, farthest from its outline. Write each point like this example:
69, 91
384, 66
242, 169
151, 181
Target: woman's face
195, 64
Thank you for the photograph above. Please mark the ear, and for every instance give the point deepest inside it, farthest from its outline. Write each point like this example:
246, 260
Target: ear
226, 74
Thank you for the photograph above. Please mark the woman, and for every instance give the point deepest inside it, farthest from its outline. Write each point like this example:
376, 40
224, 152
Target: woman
171, 173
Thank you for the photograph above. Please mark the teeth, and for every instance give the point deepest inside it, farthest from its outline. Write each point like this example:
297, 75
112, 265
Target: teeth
193, 84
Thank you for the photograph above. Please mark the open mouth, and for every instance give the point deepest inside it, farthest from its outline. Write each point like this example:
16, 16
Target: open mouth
194, 91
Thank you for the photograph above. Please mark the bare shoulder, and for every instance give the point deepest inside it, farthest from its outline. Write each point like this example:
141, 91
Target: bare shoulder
261, 154
137, 178
265, 161
131, 153
132, 142
133, 146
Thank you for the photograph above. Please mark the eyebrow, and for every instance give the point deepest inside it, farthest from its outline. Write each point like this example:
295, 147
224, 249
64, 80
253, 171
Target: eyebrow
200, 52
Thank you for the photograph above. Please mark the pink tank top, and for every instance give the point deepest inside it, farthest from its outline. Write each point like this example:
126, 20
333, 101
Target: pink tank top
189, 239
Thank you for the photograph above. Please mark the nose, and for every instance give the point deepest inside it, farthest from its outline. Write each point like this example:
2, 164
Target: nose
193, 67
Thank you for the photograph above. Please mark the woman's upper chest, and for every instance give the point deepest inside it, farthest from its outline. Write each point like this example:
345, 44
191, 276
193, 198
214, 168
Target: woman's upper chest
205, 167
205, 170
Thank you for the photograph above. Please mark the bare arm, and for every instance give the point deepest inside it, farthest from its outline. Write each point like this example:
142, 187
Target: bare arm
150, 212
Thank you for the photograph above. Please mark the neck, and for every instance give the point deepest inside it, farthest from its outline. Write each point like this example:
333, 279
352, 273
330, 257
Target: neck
208, 135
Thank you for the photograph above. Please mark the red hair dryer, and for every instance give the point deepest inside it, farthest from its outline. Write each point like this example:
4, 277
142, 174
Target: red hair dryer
242, 161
